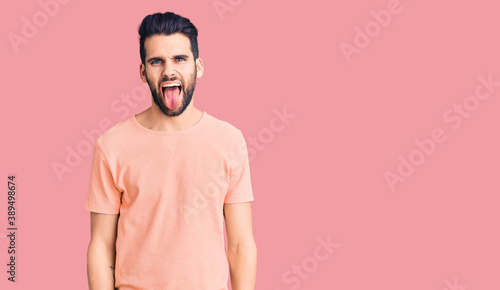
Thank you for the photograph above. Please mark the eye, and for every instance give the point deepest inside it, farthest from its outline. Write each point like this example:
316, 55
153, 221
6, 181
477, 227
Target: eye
155, 61
180, 59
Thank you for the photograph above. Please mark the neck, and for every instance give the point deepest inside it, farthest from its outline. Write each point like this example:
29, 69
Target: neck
154, 119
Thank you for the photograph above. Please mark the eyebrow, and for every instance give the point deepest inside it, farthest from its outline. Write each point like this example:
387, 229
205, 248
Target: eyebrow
161, 58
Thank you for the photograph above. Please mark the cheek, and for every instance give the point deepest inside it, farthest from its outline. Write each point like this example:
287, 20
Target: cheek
152, 74
188, 77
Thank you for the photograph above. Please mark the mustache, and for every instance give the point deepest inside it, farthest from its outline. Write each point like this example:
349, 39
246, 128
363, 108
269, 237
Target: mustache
169, 80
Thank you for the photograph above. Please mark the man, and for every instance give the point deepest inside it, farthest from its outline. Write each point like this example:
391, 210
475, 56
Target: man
164, 181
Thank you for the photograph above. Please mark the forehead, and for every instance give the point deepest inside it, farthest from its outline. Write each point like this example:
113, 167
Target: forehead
162, 45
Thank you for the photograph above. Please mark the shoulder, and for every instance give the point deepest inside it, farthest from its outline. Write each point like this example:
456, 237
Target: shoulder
223, 129
116, 134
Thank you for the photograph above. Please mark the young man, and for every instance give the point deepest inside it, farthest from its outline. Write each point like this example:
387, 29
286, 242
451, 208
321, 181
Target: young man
164, 181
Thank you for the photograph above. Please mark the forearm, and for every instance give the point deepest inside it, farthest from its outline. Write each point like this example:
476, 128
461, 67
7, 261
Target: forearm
100, 267
243, 266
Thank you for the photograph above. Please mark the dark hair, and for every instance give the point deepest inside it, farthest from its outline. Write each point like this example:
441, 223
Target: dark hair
166, 24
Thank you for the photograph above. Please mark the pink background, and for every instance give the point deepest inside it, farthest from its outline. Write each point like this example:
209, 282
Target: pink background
320, 175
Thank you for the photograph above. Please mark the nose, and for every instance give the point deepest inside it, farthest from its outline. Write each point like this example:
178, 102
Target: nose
169, 70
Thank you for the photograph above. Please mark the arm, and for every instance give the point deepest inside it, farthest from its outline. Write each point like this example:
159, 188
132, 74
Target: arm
242, 250
101, 252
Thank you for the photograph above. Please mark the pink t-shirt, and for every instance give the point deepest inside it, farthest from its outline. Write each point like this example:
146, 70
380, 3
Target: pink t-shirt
169, 189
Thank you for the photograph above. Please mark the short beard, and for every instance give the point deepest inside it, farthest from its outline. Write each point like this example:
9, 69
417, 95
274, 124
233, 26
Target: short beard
186, 99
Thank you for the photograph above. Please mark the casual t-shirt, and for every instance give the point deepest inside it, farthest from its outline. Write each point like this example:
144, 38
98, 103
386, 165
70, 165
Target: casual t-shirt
169, 189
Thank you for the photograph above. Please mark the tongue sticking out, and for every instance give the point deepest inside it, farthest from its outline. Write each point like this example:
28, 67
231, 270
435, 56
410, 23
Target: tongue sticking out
171, 97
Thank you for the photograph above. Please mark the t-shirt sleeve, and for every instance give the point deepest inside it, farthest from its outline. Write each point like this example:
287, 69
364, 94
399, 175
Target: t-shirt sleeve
103, 195
240, 185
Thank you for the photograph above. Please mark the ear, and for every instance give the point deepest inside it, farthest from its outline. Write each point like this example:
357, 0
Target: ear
142, 73
199, 68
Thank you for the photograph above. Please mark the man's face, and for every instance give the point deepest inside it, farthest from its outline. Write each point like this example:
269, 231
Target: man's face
169, 61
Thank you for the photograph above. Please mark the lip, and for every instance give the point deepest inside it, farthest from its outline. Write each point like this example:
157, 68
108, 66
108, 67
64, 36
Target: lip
170, 83
162, 89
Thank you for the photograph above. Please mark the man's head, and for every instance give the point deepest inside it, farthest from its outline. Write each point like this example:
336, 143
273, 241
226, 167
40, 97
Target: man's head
169, 57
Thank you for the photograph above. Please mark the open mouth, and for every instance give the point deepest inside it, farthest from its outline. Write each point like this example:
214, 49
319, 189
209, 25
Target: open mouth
171, 94
171, 89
